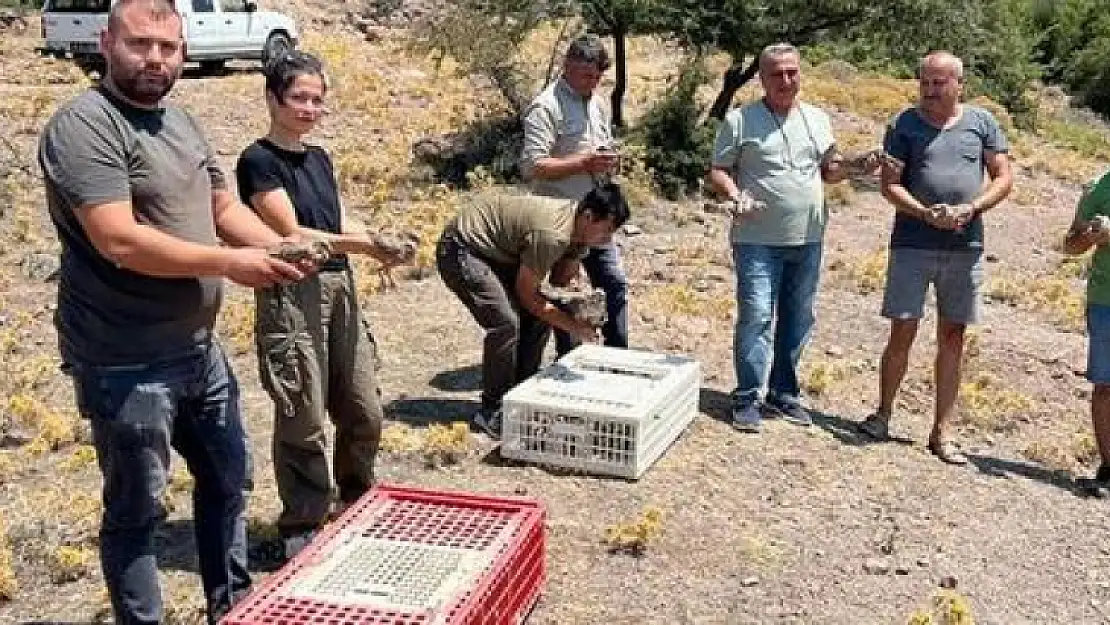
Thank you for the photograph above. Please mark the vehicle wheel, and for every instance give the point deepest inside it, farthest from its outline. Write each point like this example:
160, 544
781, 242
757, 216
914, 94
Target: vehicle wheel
212, 67
276, 45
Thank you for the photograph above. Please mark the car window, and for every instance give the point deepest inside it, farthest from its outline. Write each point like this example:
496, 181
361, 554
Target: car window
79, 6
233, 6
203, 6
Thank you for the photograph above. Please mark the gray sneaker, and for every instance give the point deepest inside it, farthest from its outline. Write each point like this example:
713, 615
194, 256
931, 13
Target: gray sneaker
747, 419
791, 413
489, 421
295, 543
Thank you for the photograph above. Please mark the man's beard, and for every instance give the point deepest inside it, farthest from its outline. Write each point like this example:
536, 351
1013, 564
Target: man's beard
144, 87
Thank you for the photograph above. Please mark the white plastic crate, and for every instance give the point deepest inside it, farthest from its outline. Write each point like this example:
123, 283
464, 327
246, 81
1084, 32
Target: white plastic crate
601, 410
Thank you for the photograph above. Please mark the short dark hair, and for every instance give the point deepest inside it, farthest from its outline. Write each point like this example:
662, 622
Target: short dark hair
282, 71
589, 49
605, 201
160, 9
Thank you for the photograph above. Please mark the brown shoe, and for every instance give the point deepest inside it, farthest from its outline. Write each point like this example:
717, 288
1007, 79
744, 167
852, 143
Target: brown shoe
947, 452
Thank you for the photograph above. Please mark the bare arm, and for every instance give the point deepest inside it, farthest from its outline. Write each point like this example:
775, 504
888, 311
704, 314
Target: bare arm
237, 225
113, 231
1002, 180
276, 210
890, 184
528, 291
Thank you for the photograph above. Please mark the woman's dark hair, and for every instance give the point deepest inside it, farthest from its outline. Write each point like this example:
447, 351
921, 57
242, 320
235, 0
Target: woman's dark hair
284, 69
605, 201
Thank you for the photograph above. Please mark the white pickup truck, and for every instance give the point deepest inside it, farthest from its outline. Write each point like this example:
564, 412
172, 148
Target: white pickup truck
216, 31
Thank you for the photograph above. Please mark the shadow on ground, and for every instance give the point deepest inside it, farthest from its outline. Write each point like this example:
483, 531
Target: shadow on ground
463, 379
1004, 468
176, 548
420, 411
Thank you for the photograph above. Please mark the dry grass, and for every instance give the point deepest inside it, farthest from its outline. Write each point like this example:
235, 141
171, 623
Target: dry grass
9, 586
236, 321
875, 97
819, 376
988, 404
679, 300
1058, 296
1063, 452
69, 564
867, 273
635, 537
436, 445
949, 608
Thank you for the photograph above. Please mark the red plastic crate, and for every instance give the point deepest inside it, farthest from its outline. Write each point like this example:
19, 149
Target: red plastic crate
409, 556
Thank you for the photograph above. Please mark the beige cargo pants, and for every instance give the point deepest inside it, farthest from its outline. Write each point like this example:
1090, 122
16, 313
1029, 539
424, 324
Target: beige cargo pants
316, 355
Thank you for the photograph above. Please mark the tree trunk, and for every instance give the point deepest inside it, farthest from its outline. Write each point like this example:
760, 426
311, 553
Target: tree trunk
509, 82
619, 34
735, 77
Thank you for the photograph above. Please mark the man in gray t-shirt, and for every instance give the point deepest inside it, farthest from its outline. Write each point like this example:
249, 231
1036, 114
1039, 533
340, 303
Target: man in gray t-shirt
776, 152
938, 156
140, 207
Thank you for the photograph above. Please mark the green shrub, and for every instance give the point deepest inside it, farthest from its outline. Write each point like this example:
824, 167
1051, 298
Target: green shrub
679, 148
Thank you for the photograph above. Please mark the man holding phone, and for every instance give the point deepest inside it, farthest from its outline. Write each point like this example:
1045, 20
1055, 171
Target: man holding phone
568, 151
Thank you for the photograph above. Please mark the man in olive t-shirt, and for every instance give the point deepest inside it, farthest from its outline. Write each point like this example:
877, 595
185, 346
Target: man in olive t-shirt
495, 254
1091, 228
139, 206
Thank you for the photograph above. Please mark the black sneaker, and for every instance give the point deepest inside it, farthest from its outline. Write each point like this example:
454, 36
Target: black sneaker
489, 421
1097, 486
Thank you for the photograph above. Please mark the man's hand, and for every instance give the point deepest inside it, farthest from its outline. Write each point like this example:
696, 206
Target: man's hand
600, 161
583, 331
257, 268
863, 163
1098, 229
941, 216
744, 205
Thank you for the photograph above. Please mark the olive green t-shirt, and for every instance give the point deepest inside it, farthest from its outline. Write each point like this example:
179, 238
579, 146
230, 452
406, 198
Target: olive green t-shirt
529, 230
1096, 201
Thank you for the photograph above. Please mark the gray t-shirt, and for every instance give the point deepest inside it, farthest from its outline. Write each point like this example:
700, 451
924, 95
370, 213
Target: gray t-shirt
942, 166
98, 149
778, 160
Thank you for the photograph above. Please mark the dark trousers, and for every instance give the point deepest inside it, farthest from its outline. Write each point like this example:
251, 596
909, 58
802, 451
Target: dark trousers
603, 266
515, 338
316, 358
188, 402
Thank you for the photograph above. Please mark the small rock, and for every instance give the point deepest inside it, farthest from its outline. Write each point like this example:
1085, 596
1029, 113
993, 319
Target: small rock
949, 582
698, 218
701, 286
39, 266
632, 230
748, 582
901, 570
834, 351
991, 258
663, 249
877, 566
923, 563
15, 436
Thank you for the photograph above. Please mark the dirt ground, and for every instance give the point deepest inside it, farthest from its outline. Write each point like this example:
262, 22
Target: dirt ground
794, 525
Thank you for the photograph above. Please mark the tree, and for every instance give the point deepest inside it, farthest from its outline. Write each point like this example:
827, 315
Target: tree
989, 34
619, 19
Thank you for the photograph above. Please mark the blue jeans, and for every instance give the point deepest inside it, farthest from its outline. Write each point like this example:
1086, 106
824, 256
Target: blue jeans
189, 402
603, 266
775, 287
